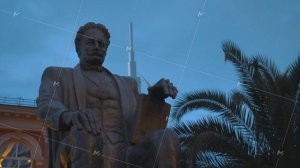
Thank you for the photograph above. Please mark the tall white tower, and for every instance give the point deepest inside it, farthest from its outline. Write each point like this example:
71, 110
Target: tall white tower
131, 62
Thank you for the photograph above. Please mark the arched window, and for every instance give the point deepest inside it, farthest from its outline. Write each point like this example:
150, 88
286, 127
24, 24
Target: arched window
20, 150
15, 155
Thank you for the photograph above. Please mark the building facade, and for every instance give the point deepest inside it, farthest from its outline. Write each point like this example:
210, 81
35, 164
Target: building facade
23, 141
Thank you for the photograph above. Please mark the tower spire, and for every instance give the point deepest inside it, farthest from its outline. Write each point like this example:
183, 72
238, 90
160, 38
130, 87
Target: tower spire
132, 63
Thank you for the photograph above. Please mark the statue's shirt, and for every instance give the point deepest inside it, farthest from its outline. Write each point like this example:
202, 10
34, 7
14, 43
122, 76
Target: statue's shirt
104, 100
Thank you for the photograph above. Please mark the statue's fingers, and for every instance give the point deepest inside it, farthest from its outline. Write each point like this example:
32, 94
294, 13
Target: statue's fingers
91, 121
97, 125
85, 123
162, 79
94, 122
167, 82
76, 122
175, 91
159, 82
171, 92
166, 91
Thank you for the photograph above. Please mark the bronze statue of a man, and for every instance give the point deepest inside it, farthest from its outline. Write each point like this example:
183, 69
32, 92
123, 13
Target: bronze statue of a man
90, 113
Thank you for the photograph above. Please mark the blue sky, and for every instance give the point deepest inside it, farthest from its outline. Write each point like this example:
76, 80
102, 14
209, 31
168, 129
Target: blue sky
170, 39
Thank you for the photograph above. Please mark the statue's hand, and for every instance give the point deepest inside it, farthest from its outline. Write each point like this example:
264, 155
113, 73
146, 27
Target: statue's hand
83, 120
163, 89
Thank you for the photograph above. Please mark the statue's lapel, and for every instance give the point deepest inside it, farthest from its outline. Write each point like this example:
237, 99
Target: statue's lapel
126, 104
80, 87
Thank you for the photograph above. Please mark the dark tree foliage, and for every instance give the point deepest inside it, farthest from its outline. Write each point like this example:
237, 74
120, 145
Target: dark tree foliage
255, 126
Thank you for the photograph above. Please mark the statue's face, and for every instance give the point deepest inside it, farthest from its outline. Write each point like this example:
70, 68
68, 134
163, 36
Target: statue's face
92, 47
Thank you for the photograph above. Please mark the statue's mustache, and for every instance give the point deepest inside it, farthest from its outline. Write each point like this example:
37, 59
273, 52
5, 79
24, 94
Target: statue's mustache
96, 52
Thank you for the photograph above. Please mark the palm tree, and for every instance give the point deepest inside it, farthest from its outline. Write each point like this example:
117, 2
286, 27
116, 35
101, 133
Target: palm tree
255, 126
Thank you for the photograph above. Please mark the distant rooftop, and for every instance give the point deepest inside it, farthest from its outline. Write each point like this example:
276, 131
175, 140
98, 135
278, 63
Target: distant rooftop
17, 101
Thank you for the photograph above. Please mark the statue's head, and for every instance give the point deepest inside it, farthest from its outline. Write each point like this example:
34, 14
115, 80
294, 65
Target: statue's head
92, 41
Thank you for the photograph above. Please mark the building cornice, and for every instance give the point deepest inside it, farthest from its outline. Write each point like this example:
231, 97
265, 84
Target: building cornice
17, 111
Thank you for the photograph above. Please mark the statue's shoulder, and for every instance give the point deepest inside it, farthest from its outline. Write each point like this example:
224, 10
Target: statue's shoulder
127, 79
131, 82
54, 71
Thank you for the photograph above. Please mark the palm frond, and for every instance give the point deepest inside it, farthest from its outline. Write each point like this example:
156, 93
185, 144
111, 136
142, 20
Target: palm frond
239, 60
243, 121
282, 109
245, 110
208, 100
293, 74
257, 97
216, 102
214, 134
241, 99
267, 73
210, 159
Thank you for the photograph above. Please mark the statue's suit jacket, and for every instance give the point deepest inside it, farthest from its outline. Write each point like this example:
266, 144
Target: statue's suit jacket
64, 89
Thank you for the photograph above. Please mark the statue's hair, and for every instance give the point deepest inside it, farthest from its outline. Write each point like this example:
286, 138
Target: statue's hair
88, 26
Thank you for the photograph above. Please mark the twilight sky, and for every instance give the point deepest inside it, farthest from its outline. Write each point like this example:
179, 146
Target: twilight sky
171, 38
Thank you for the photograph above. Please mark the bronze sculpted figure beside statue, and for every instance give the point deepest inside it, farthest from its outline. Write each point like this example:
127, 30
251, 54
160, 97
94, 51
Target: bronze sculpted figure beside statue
96, 119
